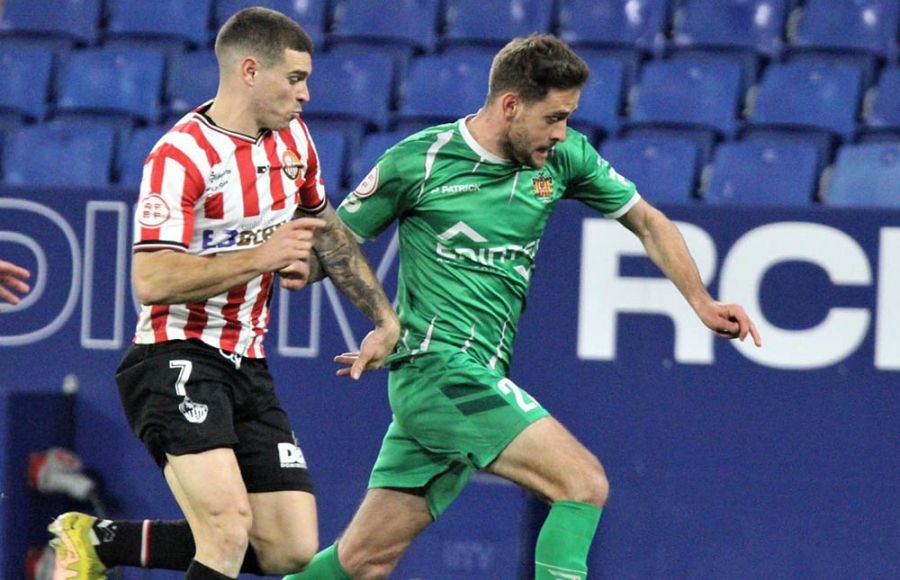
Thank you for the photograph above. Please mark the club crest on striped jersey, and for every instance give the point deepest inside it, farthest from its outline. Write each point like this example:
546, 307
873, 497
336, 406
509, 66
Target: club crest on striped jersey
153, 211
542, 186
368, 185
291, 164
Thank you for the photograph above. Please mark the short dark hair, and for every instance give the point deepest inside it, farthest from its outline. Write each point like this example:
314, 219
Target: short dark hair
264, 33
533, 65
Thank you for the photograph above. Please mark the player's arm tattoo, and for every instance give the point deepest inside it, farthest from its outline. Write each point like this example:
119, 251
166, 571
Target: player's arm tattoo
341, 259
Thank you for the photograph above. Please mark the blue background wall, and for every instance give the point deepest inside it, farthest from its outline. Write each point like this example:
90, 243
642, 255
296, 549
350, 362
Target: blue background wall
777, 463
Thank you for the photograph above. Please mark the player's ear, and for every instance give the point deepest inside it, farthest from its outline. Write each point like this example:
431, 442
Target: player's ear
249, 68
510, 104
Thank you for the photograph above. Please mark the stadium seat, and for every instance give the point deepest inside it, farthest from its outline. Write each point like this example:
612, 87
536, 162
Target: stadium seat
761, 173
100, 82
372, 147
192, 78
168, 24
86, 153
494, 23
866, 175
311, 14
25, 89
848, 25
601, 99
412, 23
641, 24
809, 96
442, 88
665, 169
693, 93
356, 88
133, 151
884, 113
742, 25
332, 149
53, 24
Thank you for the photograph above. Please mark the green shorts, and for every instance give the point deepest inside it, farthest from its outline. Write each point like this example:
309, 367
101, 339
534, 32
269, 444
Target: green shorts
452, 415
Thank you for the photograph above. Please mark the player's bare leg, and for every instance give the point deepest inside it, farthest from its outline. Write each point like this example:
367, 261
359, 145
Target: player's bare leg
285, 532
216, 507
386, 522
548, 460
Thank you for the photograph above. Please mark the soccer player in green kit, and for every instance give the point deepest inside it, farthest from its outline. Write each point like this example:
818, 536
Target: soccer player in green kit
472, 199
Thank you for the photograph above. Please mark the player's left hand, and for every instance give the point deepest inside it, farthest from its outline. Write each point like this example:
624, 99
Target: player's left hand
374, 350
729, 321
295, 276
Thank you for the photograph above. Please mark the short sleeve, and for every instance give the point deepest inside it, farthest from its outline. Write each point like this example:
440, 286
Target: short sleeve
383, 195
171, 185
593, 181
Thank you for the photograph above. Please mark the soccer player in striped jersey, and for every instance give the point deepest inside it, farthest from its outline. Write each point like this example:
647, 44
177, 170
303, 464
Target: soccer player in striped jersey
225, 207
472, 199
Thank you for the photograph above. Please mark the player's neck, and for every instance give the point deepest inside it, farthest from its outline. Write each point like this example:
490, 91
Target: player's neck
231, 115
485, 130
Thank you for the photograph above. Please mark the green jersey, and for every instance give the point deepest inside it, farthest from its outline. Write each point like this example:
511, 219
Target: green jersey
469, 228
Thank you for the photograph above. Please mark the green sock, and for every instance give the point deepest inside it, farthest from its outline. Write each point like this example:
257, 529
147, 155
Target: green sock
564, 541
324, 566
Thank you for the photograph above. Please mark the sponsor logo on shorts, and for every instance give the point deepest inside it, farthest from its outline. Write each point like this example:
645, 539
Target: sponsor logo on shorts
291, 456
193, 412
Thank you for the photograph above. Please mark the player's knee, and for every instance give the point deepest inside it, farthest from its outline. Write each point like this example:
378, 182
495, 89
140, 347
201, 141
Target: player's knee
288, 558
226, 532
589, 486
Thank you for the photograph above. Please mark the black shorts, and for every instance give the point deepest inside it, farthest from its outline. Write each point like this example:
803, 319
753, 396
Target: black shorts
183, 396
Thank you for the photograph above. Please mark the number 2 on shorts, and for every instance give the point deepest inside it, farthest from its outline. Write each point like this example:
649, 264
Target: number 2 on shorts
508, 387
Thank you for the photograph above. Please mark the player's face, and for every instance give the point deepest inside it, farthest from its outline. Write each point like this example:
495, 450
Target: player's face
283, 90
537, 127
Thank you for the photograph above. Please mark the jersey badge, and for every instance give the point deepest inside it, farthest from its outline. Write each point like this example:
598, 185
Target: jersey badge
368, 185
542, 186
291, 165
153, 211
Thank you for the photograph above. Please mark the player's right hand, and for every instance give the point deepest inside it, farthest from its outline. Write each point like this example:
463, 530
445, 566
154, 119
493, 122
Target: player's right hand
291, 242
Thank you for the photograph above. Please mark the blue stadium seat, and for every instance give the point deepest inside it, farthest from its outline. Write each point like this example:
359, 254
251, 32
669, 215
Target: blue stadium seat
168, 24
744, 25
665, 169
761, 173
372, 147
689, 93
25, 89
884, 113
54, 24
849, 25
100, 82
132, 152
411, 23
866, 175
601, 98
494, 23
442, 88
356, 88
332, 149
626, 23
311, 14
809, 96
192, 78
86, 153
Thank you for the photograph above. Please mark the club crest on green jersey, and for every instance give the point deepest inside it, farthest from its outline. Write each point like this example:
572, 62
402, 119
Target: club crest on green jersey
542, 186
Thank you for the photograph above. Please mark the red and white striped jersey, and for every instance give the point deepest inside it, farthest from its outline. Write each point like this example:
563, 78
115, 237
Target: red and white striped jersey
206, 191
